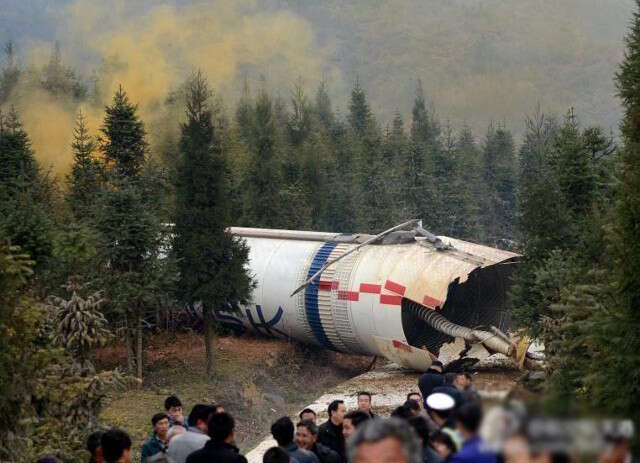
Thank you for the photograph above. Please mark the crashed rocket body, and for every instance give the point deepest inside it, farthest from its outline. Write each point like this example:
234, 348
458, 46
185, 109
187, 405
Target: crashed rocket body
363, 302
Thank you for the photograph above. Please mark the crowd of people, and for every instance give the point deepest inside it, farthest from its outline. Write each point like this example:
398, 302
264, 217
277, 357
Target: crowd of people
439, 422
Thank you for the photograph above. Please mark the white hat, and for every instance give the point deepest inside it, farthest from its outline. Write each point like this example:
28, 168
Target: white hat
440, 401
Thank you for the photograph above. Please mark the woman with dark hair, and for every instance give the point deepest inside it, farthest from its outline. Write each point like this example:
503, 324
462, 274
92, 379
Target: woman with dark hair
444, 445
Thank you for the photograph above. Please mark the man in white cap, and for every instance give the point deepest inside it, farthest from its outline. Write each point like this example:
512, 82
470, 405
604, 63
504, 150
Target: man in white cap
441, 408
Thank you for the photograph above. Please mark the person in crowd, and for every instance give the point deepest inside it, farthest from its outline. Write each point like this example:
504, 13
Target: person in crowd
196, 436
441, 409
464, 383
417, 397
413, 407
444, 445
449, 388
283, 432
220, 448
384, 440
401, 412
308, 415
275, 455
364, 403
330, 432
173, 408
431, 379
307, 438
154, 448
116, 446
473, 449
94, 448
175, 431
218, 408
420, 426
352, 420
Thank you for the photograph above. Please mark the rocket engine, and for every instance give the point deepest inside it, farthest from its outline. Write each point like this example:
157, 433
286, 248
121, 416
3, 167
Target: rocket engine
397, 294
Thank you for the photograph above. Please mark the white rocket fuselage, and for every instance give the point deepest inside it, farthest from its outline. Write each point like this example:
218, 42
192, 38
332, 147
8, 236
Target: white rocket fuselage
356, 304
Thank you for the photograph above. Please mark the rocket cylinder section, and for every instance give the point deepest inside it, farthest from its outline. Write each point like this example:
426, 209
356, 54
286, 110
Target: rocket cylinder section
365, 302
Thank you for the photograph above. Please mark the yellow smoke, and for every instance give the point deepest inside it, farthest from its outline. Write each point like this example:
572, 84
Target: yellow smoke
151, 53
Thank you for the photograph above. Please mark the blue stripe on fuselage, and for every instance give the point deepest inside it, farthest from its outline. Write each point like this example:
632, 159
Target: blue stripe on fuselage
311, 295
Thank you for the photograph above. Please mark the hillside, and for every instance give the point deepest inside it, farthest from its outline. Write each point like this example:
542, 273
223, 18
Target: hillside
479, 60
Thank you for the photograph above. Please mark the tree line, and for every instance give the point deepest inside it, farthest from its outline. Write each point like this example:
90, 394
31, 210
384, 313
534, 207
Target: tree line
136, 230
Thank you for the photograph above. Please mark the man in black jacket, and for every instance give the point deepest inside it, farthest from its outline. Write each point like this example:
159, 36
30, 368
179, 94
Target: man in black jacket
307, 438
364, 403
221, 448
330, 432
431, 379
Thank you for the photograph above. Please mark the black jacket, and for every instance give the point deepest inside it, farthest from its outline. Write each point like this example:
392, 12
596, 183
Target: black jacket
331, 435
428, 382
325, 454
220, 452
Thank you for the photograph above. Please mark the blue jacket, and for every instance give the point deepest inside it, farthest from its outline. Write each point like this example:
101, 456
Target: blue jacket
300, 455
474, 450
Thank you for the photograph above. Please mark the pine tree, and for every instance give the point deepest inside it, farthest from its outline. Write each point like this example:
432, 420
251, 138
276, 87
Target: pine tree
59, 79
463, 218
360, 117
10, 72
304, 169
23, 212
211, 261
419, 189
393, 155
343, 185
87, 176
323, 107
543, 220
299, 123
573, 165
498, 199
128, 223
18, 167
262, 185
123, 143
376, 204
622, 349
244, 115
397, 141
443, 171
424, 126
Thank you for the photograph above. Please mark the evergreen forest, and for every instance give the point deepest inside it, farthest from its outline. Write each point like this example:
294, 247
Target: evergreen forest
136, 228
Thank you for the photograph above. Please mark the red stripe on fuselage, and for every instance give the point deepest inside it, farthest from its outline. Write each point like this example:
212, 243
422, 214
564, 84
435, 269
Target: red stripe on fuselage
370, 288
348, 295
395, 287
390, 299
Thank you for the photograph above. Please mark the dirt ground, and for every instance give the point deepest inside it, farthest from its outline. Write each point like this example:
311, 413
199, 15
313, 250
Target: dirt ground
257, 380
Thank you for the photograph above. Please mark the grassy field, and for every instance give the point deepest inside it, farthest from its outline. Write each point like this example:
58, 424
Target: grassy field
257, 380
